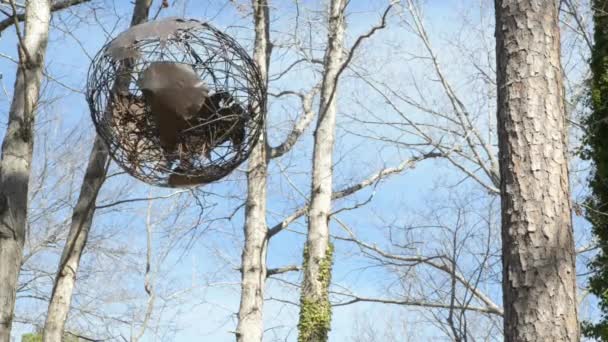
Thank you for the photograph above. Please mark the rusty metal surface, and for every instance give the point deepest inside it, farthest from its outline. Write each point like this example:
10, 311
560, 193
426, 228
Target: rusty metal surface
192, 107
174, 88
124, 45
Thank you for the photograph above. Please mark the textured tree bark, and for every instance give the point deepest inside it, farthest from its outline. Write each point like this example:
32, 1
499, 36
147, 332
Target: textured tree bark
250, 325
17, 148
315, 309
539, 291
82, 218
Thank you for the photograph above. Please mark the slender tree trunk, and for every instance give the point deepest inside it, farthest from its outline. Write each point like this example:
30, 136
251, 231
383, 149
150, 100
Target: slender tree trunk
250, 326
17, 149
315, 309
82, 219
539, 290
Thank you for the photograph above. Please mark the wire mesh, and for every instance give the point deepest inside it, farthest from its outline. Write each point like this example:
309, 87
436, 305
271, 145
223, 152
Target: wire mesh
212, 143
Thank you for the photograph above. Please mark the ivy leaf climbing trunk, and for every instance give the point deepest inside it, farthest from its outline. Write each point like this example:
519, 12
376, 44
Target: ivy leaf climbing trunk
596, 150
315, 309
539, 292
250, 325
17, 149
82, 218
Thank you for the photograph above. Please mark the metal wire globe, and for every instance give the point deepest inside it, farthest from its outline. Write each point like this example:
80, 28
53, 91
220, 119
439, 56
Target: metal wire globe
177, 102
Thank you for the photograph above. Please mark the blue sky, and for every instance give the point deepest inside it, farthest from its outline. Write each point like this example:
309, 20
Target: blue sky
68, 62
208, 312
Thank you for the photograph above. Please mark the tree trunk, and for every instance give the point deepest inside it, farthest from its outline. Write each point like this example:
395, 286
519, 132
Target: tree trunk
539, 292
17, 149
315, 309
82, 218
250, 326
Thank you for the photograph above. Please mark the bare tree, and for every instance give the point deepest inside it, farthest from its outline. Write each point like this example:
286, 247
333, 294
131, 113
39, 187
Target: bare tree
15, 166
18, 17
440, 261
281, 149
447, 277
539, 285
82, 219
256, 233
253, 261
315, 309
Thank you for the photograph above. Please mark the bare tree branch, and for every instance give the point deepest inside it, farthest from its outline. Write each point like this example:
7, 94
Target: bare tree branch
58, 6
352, 189
149, 281
303, 122
458, 106
281, 270
444, 266
357, 299
131, 200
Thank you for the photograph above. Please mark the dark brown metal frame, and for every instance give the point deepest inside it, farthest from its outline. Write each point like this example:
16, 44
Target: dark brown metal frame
132, 137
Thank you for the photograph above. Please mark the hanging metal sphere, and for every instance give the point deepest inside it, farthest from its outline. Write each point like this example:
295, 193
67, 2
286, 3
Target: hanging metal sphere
178, 102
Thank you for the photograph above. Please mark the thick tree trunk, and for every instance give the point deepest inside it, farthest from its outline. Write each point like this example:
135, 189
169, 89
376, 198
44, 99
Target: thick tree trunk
250, 326
539, 292
17, 148
82, 219
315, 309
